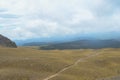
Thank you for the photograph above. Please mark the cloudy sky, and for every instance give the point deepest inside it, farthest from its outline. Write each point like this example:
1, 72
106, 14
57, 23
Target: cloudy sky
25, 19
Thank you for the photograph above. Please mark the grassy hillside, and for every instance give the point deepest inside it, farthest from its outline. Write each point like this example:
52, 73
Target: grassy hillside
83, 44
32, 64
102, 67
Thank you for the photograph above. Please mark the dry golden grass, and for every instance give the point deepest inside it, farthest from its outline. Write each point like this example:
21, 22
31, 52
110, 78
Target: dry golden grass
27, 63
106, 65
32, 64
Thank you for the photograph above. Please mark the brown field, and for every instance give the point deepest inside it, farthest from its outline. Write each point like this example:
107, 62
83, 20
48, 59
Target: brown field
27, 63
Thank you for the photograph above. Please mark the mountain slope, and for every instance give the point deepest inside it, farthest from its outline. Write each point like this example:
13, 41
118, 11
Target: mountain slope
5, 42
84, 44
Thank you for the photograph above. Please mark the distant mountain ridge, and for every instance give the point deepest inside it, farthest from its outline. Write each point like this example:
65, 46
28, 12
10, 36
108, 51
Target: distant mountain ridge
68, 38
84, 44
37, 43
5, 42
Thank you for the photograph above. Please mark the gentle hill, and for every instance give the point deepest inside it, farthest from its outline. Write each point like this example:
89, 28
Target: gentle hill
38, 43
84, 44
5, 42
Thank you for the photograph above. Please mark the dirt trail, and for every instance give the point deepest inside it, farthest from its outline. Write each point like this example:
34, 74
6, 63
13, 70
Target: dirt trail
74, 64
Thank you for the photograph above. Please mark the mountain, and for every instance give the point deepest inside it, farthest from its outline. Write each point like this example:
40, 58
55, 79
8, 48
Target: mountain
69, 38
56, 39
5, 42
37, 43
42, 43
84, 44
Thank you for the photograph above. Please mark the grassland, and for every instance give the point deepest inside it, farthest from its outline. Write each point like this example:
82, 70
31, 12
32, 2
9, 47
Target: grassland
32, 64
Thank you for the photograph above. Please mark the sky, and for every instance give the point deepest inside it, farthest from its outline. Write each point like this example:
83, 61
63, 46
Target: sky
26, 19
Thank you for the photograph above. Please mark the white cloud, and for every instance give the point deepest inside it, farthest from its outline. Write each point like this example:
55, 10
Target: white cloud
46, 18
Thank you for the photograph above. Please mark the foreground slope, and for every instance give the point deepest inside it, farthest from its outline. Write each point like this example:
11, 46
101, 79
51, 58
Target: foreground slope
32, 64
